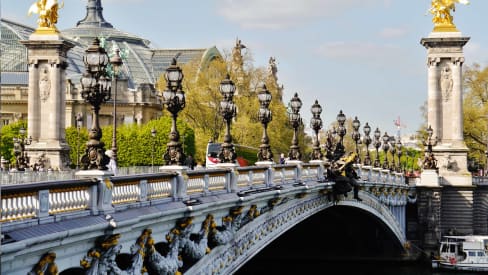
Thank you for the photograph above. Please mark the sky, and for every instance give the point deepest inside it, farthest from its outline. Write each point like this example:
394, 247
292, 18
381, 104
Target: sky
360, 56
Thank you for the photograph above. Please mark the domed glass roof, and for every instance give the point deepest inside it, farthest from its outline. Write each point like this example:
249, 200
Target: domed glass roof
142, 64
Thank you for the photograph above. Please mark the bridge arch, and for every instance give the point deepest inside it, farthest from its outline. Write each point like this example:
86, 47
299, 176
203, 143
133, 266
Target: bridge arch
263, 230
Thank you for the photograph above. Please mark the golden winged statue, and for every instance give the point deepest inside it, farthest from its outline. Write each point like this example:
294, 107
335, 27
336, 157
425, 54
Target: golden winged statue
441, 11
48, 15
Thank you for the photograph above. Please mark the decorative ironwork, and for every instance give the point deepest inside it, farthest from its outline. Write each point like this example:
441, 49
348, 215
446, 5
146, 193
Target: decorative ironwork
430, 162
96, 89
329, 145
393, 154
79, 124
386, 147
356, 136
21, 157
227, 153
399, 147
316, 125
296, 122
174, 99
265, 116
341, 131
367, 141
377, 144
116, 62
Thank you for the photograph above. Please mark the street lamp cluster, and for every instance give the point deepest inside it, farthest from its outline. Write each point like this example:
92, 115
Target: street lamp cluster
228, 111
174, 99
296, 122
21, 157
96, 89
264, 116
97, 86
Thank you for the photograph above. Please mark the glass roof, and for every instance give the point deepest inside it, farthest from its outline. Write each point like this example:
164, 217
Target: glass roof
142, 64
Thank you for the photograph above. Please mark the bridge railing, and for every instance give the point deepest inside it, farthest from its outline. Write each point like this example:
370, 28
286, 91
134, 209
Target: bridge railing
42, 202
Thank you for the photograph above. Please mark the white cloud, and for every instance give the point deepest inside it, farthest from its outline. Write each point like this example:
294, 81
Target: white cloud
358, 51
476, 53
394, 32
278, 14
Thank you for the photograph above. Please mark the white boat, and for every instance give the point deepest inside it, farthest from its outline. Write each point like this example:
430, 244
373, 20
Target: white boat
466, 253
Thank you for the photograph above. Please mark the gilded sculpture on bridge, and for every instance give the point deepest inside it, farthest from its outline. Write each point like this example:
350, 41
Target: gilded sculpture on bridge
441, 11
48, 15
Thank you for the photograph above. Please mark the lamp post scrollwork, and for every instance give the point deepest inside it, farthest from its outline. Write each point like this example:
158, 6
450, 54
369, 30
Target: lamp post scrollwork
316, 125
377, 145
386, 147
399, 147
295, 121
21, 158
116, 62
430, 162
96, 89
393, 154
341, 131
367, 142
174, 99
228, 111
356, 136
79, 124
265, 116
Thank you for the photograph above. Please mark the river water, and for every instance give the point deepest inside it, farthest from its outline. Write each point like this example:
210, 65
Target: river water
291, 266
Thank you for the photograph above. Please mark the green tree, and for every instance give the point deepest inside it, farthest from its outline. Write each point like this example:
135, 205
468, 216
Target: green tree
8, 132
203, 97
476, 112
135, 144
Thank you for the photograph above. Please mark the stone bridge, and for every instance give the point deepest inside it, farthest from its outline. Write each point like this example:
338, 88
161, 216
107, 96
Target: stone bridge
197, 222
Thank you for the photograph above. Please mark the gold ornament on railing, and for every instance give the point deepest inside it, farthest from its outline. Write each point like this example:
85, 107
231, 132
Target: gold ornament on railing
442, 18
48, 15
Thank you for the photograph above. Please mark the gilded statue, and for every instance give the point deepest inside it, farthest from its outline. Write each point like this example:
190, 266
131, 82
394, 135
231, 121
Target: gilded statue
441, 11
48, 14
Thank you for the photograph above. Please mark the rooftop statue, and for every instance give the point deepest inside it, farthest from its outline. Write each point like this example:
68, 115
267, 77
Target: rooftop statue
441, 11
48, 15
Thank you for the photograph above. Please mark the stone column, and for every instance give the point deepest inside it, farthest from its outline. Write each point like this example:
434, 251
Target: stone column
433, 97
33, 115
47, 55
445, 105
457, 100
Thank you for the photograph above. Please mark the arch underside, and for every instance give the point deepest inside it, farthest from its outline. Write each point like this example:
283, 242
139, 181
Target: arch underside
256, 235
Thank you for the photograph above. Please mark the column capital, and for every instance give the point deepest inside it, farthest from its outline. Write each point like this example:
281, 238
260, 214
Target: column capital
457, 61
433, 61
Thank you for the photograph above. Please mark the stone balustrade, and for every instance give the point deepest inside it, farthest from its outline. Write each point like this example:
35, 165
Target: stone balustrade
36, 203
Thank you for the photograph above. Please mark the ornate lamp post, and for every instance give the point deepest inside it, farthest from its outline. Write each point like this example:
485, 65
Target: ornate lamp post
96, 89
228, 112
295, 121
265, 116
430, 162
393, 154
153, 134
316, 125
356, 136
377, 144
174, 99
341, 131
367, 142
116, 62
398, 145
386, 146
79, 123
21, 158
329, 145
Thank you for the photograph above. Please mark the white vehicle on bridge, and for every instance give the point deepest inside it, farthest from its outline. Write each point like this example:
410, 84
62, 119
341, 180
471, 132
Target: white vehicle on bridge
466, 253
246, 155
